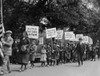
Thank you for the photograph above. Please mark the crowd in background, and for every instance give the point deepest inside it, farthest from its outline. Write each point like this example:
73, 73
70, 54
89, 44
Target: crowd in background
56, 52
26, 51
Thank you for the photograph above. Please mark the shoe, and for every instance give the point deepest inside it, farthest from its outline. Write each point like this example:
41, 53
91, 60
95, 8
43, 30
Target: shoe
9, 71
20, 70
81, 63
32, 66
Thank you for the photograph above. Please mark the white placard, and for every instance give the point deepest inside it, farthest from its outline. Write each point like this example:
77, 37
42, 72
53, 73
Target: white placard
32, 31
69, 36
79, 36
41, 40
75, 40
85, 39
59, 34
90, 40
51, 33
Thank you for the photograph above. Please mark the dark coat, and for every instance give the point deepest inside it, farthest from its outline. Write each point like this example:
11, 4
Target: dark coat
79, 49
23, 55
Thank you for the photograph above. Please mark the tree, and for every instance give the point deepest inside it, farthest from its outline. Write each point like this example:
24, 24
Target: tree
18, 13
82, 15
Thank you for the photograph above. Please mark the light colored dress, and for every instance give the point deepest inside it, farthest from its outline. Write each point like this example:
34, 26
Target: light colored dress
43, 55
7, 45
33, 52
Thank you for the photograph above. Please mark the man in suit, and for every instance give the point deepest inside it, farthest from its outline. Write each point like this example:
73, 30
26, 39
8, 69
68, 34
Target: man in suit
7, 42
80, 52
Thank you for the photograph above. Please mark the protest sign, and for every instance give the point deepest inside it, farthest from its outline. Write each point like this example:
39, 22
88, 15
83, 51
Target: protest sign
59, 34
90, 40
41, 40
51, 33
85, 39
69, 36
79, 36
32, 31
74, 39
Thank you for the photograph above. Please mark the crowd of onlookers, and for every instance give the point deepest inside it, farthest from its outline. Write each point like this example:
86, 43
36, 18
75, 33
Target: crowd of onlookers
51, 53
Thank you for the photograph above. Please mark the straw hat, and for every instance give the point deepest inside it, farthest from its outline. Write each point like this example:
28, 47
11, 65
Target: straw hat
8, 32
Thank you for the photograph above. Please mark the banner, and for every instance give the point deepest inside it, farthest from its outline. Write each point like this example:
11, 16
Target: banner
32, 31
74, 39
85, 39
69, 36
90, 40
59, 34
41, 40
51, 33
79, 36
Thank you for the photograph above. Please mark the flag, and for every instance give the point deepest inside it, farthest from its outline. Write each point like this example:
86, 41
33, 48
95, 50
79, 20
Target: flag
1, 19
1, 30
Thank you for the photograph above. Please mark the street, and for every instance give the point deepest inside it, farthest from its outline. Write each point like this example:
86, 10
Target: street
90, 68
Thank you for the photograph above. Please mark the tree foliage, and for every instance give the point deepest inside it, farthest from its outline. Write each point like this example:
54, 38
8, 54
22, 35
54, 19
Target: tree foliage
81, 15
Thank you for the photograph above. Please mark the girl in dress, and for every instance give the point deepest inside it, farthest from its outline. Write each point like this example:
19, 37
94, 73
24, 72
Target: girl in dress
43, 56
33, 53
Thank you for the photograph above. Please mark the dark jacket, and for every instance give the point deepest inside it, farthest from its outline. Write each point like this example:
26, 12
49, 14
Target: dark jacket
79, 49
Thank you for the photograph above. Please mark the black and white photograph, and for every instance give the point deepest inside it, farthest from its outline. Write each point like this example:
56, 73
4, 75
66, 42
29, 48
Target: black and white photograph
49, 37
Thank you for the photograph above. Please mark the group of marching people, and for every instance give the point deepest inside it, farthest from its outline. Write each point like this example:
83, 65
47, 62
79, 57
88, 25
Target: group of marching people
54, 54
63, 53
51, 54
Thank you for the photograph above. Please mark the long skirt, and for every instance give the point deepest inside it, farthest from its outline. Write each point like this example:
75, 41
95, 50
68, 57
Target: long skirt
32, 57
23, 58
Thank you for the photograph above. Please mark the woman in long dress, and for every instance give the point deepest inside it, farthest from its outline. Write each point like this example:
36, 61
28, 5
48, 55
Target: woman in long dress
24, 51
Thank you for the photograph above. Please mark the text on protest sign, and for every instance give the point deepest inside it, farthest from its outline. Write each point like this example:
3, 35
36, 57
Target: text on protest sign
51, 33
90, 40
69, 36
85, 39
79, 36
59, 34
32, 31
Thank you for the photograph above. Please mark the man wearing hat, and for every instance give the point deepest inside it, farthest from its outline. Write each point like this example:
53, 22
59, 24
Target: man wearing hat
80, 52
7, 42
